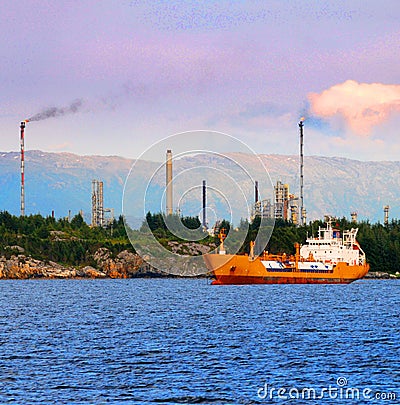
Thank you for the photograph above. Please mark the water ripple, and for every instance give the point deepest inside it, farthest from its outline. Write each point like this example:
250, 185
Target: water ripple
177, 341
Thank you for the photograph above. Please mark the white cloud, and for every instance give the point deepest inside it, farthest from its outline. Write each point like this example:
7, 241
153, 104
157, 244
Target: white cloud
362, 105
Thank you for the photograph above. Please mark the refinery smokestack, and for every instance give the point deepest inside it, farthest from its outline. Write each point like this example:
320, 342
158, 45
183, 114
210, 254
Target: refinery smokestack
168, 185
22, 127
204, 204
256, 192
302, 209
386, 214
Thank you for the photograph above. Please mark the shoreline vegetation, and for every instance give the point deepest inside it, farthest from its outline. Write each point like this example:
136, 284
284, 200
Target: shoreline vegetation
37, 247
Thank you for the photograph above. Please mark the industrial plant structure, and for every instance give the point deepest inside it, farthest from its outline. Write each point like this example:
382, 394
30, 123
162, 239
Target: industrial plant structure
98, 211
97, 203
283, 205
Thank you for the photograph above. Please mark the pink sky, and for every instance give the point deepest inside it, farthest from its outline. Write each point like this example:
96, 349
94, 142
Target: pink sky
145, 70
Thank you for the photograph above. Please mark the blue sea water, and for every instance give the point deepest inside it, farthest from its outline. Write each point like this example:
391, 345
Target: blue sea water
174, 341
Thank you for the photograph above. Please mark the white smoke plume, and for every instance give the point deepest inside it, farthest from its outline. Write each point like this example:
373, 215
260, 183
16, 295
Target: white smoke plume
362, 105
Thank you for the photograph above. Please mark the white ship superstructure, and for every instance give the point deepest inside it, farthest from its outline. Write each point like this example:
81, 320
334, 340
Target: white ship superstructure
330, 247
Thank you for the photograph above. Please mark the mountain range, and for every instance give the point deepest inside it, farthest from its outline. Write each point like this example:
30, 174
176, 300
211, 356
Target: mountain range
62, 182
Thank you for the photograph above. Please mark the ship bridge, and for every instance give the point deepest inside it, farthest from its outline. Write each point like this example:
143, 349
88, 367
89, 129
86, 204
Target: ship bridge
332, 247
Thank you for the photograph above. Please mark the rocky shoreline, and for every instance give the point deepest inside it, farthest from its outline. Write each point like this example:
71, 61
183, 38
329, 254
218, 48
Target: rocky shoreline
124, 265
381, 275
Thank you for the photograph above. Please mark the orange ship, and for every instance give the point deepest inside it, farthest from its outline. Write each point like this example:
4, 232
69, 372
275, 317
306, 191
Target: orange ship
328, 259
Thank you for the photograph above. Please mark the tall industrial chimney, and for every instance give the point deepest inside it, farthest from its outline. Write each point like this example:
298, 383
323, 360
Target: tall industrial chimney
386, 214
168, 185
204, 204
22, 168
302, 209
256, 192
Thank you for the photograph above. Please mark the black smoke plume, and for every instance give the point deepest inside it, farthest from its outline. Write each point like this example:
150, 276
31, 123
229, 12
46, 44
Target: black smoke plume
53, 112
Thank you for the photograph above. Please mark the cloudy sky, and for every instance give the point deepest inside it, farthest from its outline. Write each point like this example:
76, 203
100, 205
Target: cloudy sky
121, 75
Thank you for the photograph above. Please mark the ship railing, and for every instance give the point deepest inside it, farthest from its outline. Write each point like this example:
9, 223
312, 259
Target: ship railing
287, 260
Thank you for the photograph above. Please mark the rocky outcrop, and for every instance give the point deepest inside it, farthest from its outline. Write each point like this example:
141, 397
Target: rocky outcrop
190, 248
105, 264
91, 272
124, 265
20, 267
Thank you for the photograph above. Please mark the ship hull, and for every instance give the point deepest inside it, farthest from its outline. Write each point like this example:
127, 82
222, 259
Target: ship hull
237, 269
